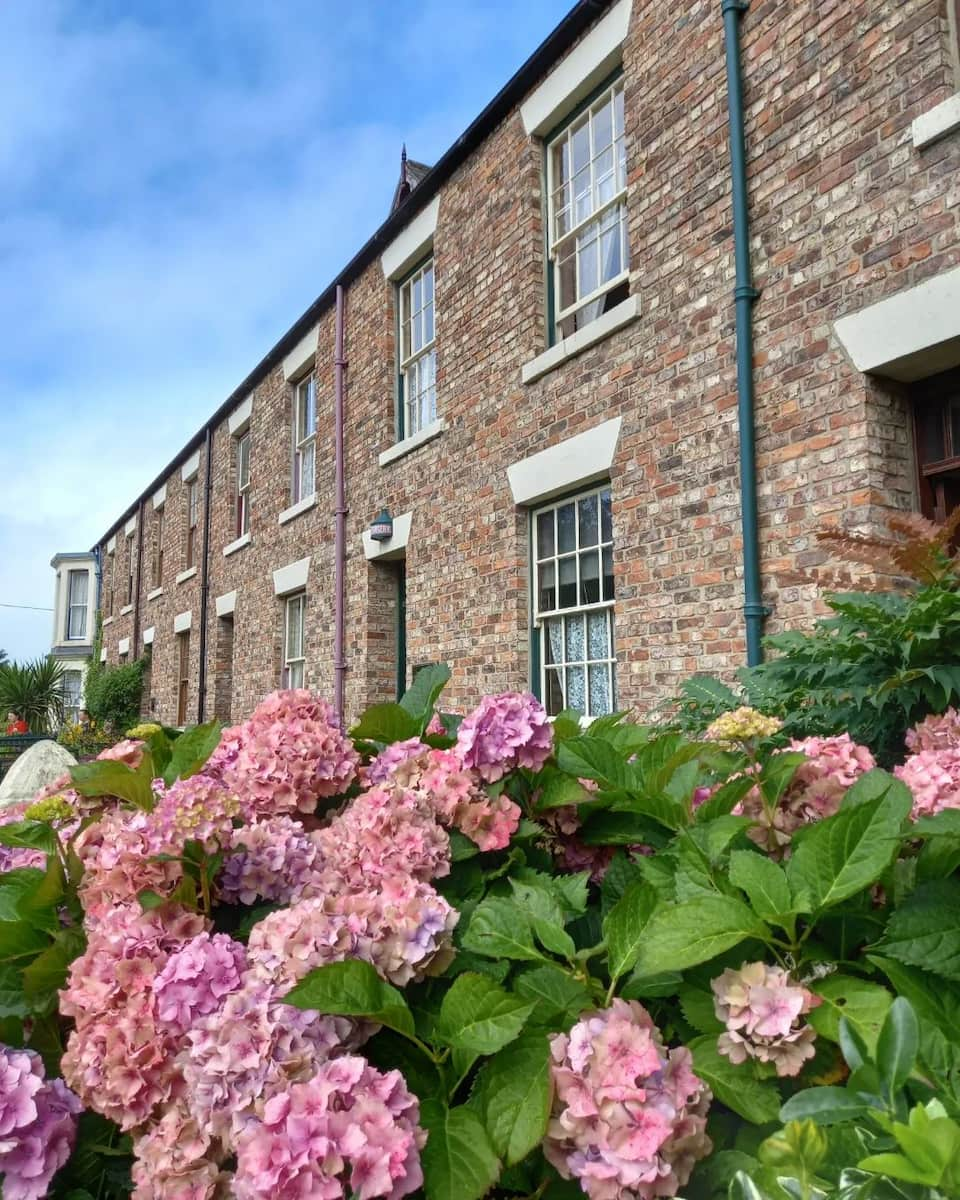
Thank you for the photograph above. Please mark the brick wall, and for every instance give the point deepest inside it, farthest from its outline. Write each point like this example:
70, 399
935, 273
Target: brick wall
844, 212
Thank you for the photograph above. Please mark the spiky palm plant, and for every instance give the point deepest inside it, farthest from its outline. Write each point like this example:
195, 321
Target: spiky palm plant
34, 691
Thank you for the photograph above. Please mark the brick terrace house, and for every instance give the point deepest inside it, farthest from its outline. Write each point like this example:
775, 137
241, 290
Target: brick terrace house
541, 384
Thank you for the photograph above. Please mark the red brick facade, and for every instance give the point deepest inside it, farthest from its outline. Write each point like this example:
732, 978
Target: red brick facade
845, 211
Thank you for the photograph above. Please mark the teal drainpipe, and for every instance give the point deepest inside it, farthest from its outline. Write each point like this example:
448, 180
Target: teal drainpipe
744, 293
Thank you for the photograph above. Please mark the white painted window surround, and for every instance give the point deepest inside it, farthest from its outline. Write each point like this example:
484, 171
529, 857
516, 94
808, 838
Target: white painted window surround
577, 461
123, 646
103, 652
226, 604
412, 243
295, 510
291, 578
584, 69
182, 621
112, 544
909, 335
941, 120
239, 419
622, 314
187, 574
160, 496
155, 594
130, 526
396, 547
191, 467
302, 356
238, 544
424, 435
107, 621
127, 608
148, 635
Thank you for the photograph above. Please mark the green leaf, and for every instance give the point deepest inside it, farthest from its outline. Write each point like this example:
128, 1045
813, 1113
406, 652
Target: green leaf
512, 1094
478, 1014
682, 935
191, 750
538, 898
386, 723
110, 778
557, 789
618, 876
573, 891
13, 1000
624, 926
897, 1046
44, 977
458, 1161
353, 989
825, 1106
765, 883
30, 835
558, 999
13, 886
421, 696
41, 902
863, 1003
20, 941
925, 932
734, 1086
698, 1009
593, 758
933, 999
498, 929
874, 785
847, 852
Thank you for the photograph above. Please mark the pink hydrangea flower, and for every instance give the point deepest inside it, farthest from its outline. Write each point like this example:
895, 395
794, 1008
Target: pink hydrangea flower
933, 776
936, 733
253, 1047
175, 1159
350, 1130
762, 1008
117, 854
832, 766
128, 751
196, 978
12, 858
273, 858
435, 727
505, 732
379, 769
287, 757
197, 809
38, 1125
629, 1116
403, 929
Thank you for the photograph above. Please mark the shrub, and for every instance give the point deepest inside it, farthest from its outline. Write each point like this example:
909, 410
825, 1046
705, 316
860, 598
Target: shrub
283, 961
34, 691
113, 695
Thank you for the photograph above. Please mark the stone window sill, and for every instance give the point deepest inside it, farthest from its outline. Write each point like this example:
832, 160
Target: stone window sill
241, 541
127, 608
187, 574
408, 445
625, 312
108, 620
157, 592
295, 510
937, 123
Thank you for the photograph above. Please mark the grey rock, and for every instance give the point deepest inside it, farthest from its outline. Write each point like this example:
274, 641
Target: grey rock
34, 769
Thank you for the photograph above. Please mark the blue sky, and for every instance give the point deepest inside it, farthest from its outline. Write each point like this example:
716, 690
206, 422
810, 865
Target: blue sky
179, 179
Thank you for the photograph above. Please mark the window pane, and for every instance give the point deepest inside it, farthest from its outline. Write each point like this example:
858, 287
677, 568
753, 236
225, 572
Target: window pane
598, 641
548, 587
243, 466
306, 472
582, 200
567, 277
599, 680
608, 573
553, 641
587, 510
589, 578
576, 692
575, 638
580, 145
566, 535
606, 518
568, 583
295, 675
618, 111
587, 262
553, 700
611, 264
605, 177
603, 127
545, 541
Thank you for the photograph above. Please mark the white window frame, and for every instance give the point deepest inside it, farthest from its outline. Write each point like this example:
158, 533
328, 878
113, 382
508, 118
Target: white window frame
542, 618
304, 438
243, 484
110, 591
294, 665
78, 606
193, 521
413, 360
157, 565
131, 566
555, 243
71, 711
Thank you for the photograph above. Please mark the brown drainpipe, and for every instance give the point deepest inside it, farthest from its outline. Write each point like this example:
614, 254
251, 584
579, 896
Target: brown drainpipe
340, 510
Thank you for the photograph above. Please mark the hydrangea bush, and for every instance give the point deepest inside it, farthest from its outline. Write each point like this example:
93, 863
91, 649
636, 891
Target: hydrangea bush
492, 956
